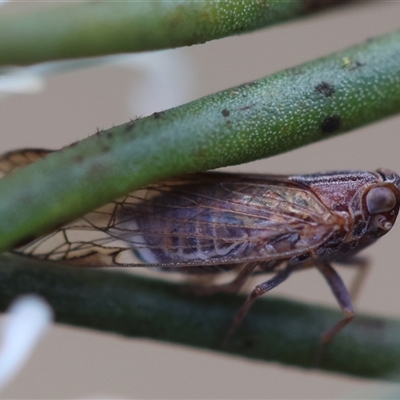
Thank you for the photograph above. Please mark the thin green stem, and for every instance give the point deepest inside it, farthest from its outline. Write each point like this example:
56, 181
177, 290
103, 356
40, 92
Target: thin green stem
283, 111
274, 330
109, 27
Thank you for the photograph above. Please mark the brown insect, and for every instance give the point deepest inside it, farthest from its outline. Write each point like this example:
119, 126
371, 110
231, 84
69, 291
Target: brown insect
213, 222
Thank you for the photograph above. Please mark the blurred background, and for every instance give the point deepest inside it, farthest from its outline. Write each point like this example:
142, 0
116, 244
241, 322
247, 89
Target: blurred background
78, 363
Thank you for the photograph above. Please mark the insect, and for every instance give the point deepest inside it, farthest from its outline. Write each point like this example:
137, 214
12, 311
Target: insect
214, 222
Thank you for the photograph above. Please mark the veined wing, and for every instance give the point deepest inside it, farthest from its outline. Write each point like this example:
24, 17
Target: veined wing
201, 219
14, 160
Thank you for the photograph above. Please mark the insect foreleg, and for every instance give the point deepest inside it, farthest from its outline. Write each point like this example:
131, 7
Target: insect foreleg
258, 291
343, 298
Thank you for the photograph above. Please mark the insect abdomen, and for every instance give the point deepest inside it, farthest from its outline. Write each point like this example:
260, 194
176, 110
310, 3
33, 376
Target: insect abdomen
190, 235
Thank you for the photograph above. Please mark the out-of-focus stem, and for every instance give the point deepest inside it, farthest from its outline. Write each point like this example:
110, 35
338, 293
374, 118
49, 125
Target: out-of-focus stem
107, 27
275, 329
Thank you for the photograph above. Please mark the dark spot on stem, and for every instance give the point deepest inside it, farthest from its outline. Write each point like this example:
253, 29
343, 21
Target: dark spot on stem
331, 124
109, 135
157, 115
129, 126
247, 107
225, 112
325, 89
79, 158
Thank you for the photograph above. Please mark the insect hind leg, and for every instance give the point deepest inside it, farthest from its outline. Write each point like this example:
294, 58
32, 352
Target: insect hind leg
258, 291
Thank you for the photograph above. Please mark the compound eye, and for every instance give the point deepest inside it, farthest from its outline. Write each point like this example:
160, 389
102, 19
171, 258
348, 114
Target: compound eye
380, 200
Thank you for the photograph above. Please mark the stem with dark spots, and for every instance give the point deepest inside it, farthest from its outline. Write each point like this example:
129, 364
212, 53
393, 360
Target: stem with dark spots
283, 111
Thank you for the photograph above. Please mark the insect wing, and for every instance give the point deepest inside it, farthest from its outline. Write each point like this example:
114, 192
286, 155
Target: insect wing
209, 218
14, 160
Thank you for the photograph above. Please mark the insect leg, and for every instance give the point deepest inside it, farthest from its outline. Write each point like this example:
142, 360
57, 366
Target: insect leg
342, 296
362, 268
258, 291
231, 287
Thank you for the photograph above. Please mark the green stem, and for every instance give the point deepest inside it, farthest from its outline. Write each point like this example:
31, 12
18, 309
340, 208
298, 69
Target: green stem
283, 111
274, 330
108, 27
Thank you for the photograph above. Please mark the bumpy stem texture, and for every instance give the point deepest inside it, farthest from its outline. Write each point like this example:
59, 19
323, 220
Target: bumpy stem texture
259, 119
108, 27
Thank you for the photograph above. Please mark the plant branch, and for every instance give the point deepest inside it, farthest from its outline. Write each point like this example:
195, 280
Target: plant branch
286, 110
275, 329
107, 27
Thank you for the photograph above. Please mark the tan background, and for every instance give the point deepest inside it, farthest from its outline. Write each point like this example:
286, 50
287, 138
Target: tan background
72, 363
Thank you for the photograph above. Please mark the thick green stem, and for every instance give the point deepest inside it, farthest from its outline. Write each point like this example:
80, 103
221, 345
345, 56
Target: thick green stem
109, 27
286, 110
274, 330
